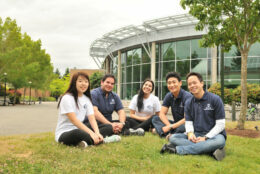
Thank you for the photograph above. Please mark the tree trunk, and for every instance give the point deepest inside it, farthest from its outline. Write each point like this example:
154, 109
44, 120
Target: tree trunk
15, 96
243, 109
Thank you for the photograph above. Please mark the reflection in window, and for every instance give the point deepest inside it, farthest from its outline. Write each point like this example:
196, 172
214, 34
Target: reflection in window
136, 73
200, 66
146, 69
168, 53
183, 68
196, 50
183, 49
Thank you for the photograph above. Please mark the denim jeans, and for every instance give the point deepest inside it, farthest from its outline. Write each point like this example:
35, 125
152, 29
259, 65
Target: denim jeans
158, 125
185, 146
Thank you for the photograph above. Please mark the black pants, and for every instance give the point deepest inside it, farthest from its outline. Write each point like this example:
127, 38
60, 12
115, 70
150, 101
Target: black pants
135, 124
73, 137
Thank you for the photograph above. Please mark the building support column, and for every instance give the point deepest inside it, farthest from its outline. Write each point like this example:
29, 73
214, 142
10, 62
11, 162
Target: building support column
214, 56
153, 65
119, 74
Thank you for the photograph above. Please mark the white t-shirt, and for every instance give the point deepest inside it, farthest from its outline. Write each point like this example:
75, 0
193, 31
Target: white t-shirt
151, 105
68, 105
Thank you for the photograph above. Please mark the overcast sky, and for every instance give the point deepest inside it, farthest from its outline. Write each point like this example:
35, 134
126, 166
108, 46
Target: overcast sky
68, 27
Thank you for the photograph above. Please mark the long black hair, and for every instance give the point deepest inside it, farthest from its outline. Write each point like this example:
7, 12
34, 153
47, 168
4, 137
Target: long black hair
73, 89
140, 96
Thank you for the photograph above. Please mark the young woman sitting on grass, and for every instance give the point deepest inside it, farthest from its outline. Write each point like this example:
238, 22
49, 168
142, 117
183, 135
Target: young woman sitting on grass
74, 106
143, 107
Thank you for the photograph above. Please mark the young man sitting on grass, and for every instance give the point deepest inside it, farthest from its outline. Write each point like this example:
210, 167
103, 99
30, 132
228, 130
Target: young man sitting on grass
204, 123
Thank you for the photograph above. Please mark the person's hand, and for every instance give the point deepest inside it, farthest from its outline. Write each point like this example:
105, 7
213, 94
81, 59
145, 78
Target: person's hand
199, 139
100, 137
167, 128
120, 126
168, 136
192, 137
95, 138
115, 128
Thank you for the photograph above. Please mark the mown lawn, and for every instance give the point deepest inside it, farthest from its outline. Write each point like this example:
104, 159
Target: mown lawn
39, 153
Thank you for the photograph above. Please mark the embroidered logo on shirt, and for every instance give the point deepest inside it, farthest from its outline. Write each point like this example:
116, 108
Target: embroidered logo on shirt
112, 101
85, 106
208, 108
149, 107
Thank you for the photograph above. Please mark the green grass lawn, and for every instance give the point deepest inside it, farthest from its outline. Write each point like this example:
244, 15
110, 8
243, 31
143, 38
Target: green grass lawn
39, 153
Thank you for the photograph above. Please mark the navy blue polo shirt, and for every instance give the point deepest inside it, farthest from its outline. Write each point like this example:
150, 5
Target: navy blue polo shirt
204, 112
176, 104
106, 105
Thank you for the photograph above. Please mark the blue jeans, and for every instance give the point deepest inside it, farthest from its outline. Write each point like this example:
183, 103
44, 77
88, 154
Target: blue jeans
158, 125
185, 146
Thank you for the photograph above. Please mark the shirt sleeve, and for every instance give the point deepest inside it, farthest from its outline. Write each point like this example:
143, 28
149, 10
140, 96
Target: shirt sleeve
90, 110
219, 127
187, 110
67, 104
94, 97
219, 109
167, 100
133, 103
189, 126
119, 104
157, 104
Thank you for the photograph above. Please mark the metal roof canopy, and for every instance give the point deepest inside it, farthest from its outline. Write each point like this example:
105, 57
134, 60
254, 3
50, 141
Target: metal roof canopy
100, 48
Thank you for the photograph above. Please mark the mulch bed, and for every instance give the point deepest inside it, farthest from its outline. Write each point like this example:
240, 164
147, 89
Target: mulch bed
244, 133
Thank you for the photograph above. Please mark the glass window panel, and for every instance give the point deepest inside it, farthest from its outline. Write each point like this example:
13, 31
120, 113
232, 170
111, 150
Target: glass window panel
145, 57
129, 58
200, 66
196, 50
158, 74
255, 49
123, 75
128, 92
233, 52
137, 56
128, 74
253, 68
183, 49
183, 68
230, 71
164, 90
136, 73
167, 67
135, 89
157, 53
146, 68
123, 91
168, 52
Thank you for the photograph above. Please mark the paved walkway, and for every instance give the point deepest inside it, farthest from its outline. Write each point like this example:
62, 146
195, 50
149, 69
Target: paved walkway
27, 119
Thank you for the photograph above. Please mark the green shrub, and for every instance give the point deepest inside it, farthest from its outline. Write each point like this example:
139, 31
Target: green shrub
253, 93
228, 93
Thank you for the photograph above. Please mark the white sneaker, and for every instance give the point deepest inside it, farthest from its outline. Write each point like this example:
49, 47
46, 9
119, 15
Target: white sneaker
112, 139
82, 144
139, 132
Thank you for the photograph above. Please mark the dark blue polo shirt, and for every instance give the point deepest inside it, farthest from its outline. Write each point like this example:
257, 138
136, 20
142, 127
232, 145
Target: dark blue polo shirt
176, 104
204, 112
106, 105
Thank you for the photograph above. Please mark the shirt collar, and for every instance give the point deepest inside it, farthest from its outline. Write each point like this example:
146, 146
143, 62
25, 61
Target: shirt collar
103, 92
180, 94
204, 97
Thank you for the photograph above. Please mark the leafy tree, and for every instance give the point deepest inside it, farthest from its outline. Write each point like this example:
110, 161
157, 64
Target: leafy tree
95, 79
58, 72
229, 22
67, 71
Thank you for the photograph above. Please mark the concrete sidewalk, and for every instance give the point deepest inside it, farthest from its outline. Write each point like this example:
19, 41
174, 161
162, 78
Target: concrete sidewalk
27, 119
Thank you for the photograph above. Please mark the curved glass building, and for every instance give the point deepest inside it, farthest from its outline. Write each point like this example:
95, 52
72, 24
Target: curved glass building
134, 53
